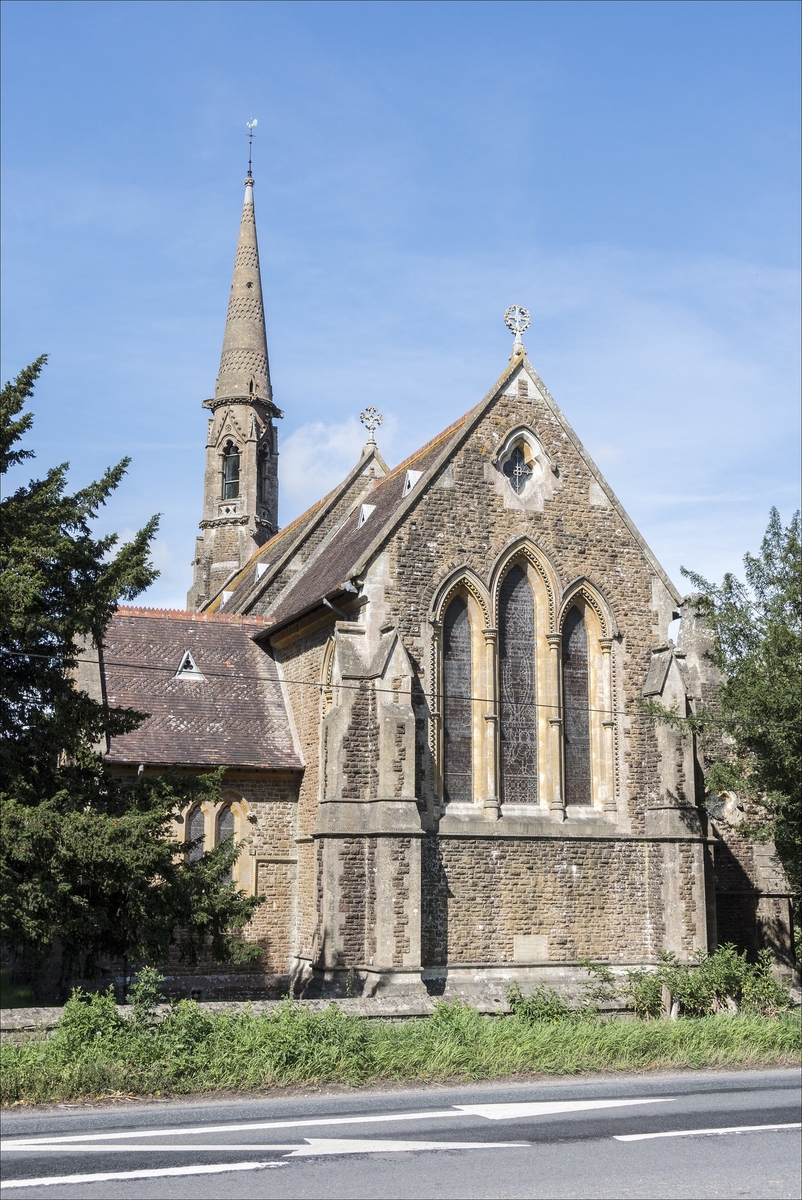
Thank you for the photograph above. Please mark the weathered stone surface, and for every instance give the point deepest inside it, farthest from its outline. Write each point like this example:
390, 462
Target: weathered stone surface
435, 840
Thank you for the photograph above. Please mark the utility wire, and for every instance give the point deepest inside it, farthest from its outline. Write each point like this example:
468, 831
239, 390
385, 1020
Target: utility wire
355, 687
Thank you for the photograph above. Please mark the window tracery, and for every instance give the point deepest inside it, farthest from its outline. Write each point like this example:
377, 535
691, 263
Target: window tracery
518, 470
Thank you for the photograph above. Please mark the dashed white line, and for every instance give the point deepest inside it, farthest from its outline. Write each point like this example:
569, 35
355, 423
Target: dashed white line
642, 1137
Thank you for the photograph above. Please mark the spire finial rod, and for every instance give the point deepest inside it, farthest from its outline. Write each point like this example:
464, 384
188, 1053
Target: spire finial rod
371, 418
251, 125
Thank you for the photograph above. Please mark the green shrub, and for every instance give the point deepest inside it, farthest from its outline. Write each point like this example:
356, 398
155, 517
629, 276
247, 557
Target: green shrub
542, 1004
644, 993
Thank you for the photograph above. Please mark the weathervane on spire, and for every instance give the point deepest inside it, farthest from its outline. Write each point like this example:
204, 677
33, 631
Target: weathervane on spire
516, 318
371, 418
251, 125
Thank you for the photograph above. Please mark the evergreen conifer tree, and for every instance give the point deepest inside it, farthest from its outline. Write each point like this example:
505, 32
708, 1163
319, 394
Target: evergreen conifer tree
88, 867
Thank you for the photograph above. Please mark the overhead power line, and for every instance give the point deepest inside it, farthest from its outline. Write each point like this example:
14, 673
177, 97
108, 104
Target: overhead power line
355, 687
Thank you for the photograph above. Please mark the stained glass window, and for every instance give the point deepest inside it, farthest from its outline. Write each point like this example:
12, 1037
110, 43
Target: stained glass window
225, 827
576, 714
457, 720
230, 472
517, 470
196, 828
518, 694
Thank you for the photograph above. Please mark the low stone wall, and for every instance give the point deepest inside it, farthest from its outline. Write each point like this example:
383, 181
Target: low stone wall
19, 1023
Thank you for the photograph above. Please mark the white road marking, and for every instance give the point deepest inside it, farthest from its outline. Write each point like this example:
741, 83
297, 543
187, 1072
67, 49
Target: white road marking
642, 1137
49, 1180
313, 1147
294, 1147
493, 1112
358, 1146
199, 1129
506, 1112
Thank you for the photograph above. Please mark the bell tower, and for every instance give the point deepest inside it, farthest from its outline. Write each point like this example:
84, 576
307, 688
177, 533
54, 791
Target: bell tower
240, 491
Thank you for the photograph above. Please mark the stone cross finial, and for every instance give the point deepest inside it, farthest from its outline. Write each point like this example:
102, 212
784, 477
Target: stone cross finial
371, 418
516, 318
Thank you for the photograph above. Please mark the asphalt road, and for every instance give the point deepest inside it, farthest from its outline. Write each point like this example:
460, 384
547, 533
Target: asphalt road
690, 1135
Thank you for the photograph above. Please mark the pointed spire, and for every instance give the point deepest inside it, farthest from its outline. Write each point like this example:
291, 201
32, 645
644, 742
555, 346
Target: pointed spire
244, 368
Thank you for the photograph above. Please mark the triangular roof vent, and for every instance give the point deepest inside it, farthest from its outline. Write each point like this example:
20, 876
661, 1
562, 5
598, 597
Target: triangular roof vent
410, 481
188, 668
364, 513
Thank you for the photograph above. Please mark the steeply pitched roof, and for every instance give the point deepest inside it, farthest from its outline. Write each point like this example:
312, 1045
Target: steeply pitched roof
347, 552
247, 586
333, 564
234, 715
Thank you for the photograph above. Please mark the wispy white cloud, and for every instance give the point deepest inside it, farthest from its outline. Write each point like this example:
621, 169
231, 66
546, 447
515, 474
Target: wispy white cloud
318, 455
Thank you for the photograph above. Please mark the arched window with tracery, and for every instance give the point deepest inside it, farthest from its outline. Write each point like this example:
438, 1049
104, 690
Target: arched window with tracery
230, 472
196, 832
517, 690
457, 709
576, 708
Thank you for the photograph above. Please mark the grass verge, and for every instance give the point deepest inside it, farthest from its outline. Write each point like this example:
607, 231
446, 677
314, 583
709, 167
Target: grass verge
94, 1051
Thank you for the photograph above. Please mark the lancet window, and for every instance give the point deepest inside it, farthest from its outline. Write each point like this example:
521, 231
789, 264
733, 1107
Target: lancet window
231, 458
525, 709
225, 828
263, 478
576, 709
457, 706
196, 829
517, 690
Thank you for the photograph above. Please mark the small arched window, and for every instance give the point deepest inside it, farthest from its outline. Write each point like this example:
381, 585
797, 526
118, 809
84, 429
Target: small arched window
457, 715
225, 828
196, 832
230, 472
576, 708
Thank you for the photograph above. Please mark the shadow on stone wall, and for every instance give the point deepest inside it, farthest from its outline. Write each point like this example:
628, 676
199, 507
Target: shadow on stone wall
434, 916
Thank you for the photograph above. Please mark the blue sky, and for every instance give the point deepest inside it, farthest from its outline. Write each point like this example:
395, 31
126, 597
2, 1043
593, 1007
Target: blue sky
628, 171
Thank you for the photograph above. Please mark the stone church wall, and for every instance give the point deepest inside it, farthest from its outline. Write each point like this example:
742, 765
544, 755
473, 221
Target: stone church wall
301, 662
462, 521
499, 900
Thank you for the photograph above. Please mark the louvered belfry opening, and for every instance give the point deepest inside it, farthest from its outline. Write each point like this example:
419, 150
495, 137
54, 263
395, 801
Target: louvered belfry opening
517, 690
576, 709
457, 717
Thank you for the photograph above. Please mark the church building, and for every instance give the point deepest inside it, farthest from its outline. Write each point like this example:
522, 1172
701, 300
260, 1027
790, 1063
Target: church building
427, 693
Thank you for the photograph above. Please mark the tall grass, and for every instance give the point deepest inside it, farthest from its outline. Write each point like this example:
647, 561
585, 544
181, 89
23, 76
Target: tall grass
94, 1051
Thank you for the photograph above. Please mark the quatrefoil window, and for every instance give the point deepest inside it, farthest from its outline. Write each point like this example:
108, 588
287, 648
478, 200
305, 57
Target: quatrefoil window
518, 470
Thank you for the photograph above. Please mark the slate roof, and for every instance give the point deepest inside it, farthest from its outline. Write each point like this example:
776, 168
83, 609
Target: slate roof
345, 553
244, 589
331, 567
235, 716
